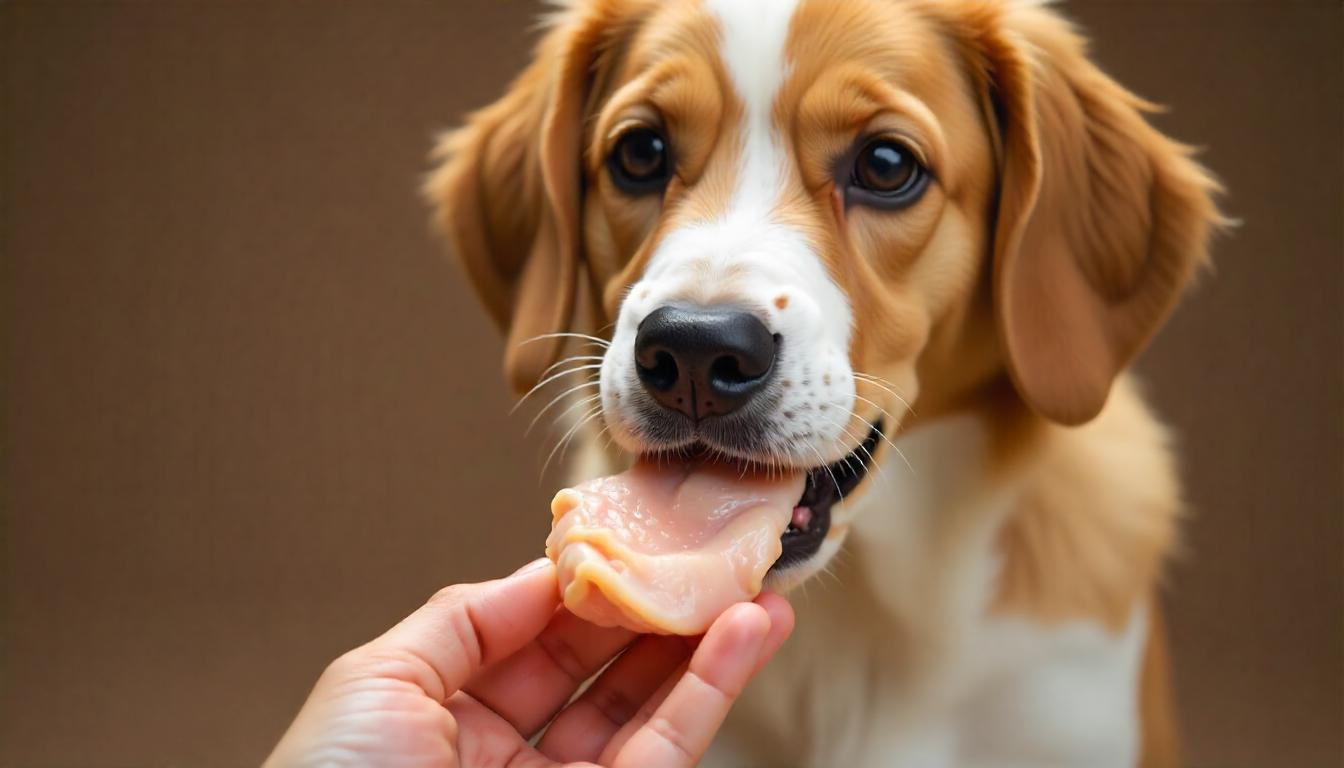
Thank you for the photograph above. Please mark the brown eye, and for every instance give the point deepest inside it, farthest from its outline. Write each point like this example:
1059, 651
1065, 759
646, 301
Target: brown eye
888, 174
639, 163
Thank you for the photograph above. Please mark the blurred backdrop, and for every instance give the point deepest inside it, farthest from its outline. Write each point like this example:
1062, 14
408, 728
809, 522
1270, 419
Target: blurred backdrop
252, 416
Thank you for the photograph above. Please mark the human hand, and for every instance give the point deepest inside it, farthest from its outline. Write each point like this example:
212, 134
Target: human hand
470, 677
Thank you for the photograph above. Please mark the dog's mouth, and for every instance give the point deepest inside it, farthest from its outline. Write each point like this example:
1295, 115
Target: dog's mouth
824, 486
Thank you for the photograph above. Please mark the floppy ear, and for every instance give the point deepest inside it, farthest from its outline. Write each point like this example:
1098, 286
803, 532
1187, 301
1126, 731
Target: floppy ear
1101, 220
507, 193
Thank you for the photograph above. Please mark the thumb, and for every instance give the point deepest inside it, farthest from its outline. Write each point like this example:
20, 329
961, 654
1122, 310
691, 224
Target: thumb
461, 629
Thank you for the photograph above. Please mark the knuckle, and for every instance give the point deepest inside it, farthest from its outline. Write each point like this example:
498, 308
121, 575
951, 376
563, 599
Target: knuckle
453, 605
667, 731
450, 596
713, 688
563, 655
613, 704
390, 663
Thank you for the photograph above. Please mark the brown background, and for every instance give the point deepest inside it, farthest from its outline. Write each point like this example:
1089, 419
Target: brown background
252, 417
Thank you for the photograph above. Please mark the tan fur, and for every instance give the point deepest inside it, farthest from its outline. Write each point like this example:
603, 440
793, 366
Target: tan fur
1059, 233
1059, 565
507, 189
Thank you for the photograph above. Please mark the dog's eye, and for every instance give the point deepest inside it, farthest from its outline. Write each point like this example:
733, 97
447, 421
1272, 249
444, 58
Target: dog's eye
639, 163
888, 174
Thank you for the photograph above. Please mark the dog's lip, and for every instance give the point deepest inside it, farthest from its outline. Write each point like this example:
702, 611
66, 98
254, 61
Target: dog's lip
855, 462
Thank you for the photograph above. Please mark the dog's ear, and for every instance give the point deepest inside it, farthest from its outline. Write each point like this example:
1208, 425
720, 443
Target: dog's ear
507, 193
1101, 220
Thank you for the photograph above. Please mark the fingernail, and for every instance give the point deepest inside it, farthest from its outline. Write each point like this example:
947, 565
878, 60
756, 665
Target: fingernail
535, 565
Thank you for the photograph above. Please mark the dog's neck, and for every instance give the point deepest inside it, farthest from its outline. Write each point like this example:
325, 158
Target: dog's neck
924, 537
994, 512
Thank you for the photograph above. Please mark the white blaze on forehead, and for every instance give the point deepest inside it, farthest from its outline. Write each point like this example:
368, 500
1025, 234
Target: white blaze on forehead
753, 36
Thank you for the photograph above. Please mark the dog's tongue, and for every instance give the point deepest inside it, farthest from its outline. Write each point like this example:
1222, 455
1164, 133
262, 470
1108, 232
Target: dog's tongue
667, 547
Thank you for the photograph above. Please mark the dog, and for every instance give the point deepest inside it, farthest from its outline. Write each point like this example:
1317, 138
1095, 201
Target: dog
909, 247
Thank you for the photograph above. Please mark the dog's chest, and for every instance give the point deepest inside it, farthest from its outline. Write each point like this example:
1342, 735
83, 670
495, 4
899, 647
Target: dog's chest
896, 661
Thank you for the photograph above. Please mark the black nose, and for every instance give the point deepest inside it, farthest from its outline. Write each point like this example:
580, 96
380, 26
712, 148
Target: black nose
703, 362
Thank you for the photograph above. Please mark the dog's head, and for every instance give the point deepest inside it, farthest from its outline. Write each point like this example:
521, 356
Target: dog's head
798, 218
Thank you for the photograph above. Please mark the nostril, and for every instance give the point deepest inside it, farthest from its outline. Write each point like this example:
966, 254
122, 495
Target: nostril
728, 370
662, 373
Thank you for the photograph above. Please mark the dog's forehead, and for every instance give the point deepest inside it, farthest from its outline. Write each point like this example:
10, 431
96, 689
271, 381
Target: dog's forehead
754, 35
754, 38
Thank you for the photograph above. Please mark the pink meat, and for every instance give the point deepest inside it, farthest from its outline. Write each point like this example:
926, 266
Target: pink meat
667, 548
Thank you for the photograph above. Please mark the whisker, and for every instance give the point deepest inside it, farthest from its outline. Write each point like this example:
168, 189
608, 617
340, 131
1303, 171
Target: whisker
610, 439
592, 415
576, 388
826, 466
841, 557
570, 359
906, 461
888, 389
897, 450
884, 411
565, 334
860, 446
872, 460
572, 430
576, 404
826, 570
885, 386
884, 435
875, 377
548, 380
873, 426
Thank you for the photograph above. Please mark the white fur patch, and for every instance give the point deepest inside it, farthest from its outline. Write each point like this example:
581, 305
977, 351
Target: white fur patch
754, 33
1063, 696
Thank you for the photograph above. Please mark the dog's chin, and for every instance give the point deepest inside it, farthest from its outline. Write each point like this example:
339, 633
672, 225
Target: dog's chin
809, 542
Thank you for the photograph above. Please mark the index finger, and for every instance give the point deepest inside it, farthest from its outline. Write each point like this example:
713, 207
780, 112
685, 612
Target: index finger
462, 629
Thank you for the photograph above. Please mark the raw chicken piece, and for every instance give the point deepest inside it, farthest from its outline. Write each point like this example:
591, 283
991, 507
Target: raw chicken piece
667, 548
